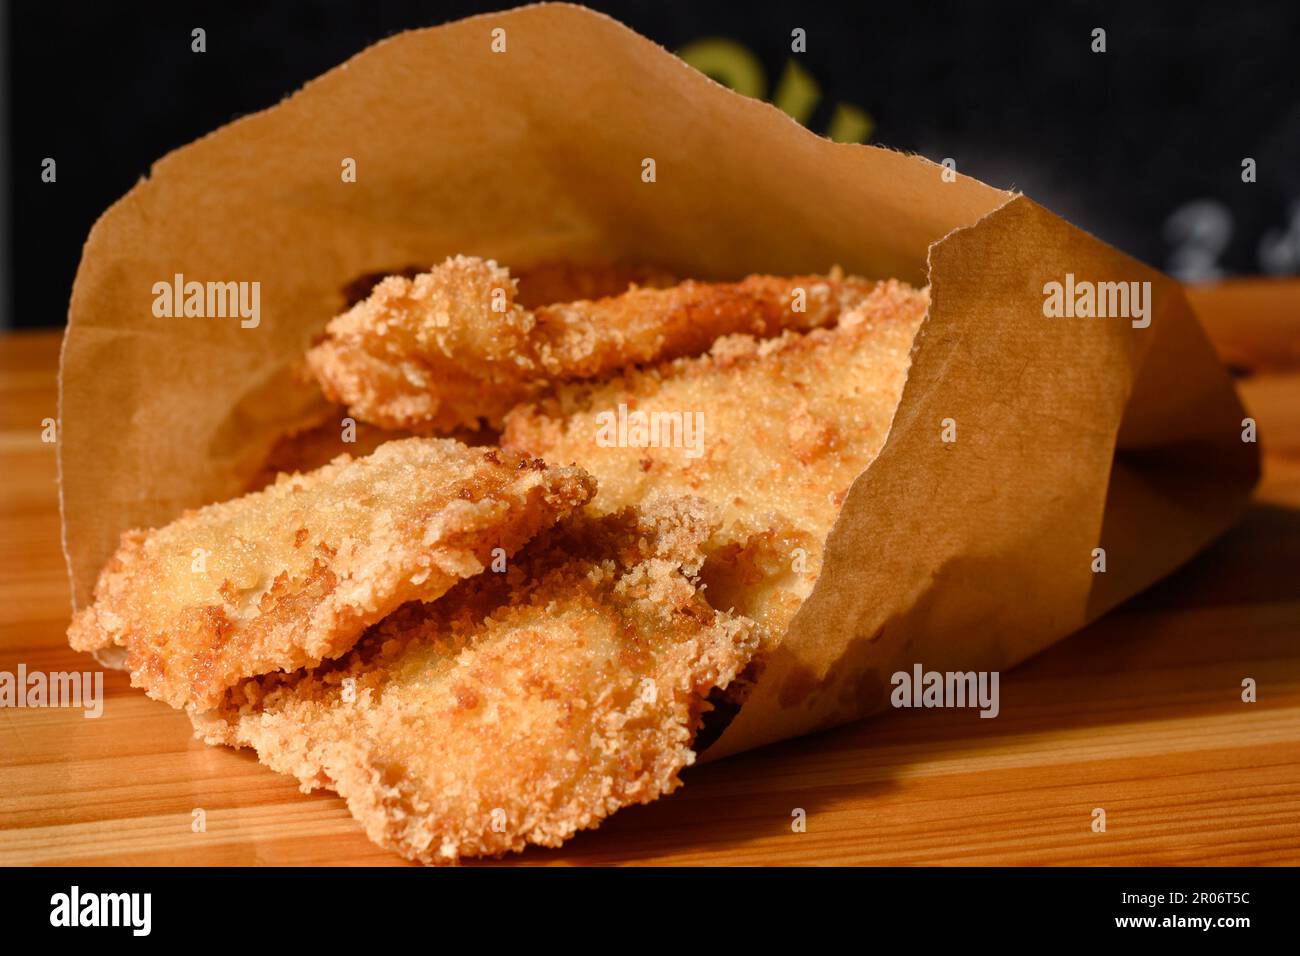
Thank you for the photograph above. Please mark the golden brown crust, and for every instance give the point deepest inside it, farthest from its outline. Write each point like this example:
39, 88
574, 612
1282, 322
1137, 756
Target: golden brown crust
520, 707
453, 347
431, 353
293, 574
592, 339
787, 425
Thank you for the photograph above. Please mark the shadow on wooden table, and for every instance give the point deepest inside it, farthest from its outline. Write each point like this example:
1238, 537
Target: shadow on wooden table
1256, 562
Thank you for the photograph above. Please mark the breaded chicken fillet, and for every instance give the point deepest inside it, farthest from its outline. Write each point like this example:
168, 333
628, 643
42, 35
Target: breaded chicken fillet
519, 708
772, 432
293, 574
452, 347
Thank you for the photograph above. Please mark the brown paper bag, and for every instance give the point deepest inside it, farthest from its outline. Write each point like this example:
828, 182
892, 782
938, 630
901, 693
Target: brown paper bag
523, 136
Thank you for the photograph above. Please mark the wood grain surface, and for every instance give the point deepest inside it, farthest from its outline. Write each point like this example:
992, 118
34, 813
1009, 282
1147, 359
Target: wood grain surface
1140, 714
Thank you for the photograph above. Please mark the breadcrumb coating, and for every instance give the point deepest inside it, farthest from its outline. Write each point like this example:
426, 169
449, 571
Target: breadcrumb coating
293, 574
788, 425
546, 281
432, 353
453, 347
521, 707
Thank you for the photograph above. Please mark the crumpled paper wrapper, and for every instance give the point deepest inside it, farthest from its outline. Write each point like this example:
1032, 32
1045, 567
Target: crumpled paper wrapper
1072, 433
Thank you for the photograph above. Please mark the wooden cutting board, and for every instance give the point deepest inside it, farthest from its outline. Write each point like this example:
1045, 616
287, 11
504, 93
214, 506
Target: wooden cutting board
1140, 715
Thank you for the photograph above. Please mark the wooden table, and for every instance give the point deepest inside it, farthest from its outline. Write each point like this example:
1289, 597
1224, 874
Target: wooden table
1140, 714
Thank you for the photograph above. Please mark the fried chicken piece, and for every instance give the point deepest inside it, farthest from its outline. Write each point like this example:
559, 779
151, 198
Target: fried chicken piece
293, 574
521, 707
431, 353
773, 432
452, 346
545, 282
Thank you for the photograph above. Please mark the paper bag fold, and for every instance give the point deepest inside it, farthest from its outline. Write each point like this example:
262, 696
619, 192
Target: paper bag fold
1071, 435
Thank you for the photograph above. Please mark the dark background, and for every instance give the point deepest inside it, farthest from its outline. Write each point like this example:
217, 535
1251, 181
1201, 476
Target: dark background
1141, 145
